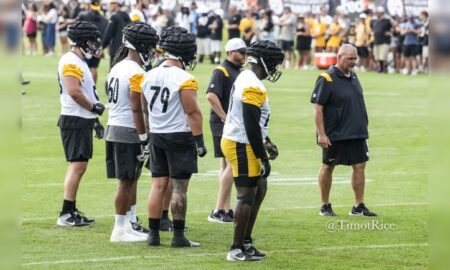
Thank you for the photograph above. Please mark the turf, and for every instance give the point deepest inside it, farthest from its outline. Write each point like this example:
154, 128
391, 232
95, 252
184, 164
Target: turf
288, 227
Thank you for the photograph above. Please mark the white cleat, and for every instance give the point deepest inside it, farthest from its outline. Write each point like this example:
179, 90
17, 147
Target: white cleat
121, 235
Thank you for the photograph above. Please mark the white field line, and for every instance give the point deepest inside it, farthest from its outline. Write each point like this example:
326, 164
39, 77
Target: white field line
124, 258
30, 219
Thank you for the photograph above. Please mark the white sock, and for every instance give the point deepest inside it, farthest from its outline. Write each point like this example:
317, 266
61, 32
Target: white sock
120, 221
132, 214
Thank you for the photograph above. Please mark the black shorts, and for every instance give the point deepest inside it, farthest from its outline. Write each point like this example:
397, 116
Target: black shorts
287, 45
177, 164
94, 62
77, 143
410, 50
363, 52
217, 149
121, 161
348, 152
31, 35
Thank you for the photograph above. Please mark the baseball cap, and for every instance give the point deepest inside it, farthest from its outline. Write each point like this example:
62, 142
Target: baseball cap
363, 16
95, 5
380, 9
119, 2
235, 44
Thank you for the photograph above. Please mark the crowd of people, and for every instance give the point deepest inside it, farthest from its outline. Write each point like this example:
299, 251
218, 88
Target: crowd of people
389, 44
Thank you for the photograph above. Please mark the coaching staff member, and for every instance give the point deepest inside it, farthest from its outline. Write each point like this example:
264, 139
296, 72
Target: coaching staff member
113, 36
341, 122
94, 16
218, 95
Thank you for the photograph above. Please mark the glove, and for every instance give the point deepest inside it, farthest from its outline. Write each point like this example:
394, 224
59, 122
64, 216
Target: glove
201, 148
98, 108
265, 170
99, 129
145, 148
271, 149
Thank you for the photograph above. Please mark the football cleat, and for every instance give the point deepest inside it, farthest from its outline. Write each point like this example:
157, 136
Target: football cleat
137, 226
251, 250
123, 235
361, 210
327, 211
74, 219
219, 217
182, 241
238, 254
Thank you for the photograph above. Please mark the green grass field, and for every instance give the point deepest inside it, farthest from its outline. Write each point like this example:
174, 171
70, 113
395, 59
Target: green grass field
288, 227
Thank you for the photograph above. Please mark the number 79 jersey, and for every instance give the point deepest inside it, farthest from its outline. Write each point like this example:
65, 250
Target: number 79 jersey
247, 89
161, 88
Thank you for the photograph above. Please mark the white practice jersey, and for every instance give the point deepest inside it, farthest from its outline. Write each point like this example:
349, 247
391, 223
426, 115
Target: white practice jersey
250, 90
161, 88
72, 65
125, 76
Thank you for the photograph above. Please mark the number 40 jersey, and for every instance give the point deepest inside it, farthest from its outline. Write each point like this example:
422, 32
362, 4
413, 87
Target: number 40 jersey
125, 76
161, 88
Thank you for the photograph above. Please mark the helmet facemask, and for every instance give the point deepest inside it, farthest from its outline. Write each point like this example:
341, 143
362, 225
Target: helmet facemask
273, 74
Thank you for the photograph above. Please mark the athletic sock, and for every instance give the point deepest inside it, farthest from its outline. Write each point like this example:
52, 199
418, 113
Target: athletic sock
132, 214
165, 214
120, 221
178, 227
68, 206
154, 225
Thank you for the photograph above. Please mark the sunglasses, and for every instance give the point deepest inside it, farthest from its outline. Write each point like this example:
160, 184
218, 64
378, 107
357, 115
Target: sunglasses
242, 51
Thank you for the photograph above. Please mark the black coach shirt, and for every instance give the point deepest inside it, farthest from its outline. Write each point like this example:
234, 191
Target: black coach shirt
344, 110
234, 33
222, 81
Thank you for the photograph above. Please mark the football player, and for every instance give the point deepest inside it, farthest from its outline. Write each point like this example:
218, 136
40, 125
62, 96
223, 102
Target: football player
124, 148
245, 143
176, 136
80, 108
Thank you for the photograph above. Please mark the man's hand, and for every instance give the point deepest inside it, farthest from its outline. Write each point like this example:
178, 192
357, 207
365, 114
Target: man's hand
145, 147
201, 148
323, 141
98, 108
265, 170
99, 129
271, 149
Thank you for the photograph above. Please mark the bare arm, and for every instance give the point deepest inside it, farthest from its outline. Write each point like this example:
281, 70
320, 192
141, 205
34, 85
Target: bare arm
73, 87
191, 108
145, 110
322, 138
138, 116
216, 106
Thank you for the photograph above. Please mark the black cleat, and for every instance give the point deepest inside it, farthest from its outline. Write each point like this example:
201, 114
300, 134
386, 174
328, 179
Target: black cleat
238, 254
166, 225
153, 239
137, 226
219, 217
361, 210
182, 241
327, 211
230, 214
74, 219
251, 250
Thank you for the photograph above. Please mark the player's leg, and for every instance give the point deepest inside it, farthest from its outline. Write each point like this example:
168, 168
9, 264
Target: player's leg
155, 207
166, 224
261, 190
178, 207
